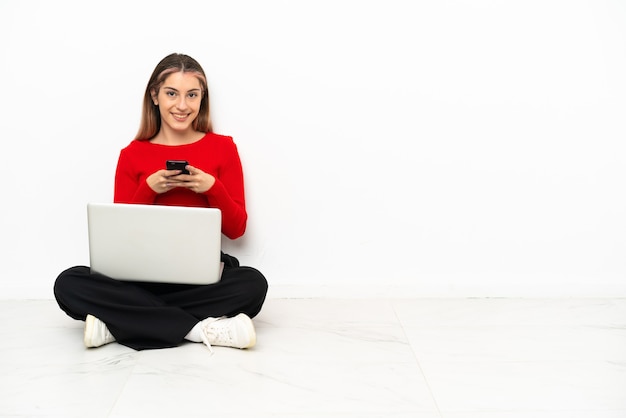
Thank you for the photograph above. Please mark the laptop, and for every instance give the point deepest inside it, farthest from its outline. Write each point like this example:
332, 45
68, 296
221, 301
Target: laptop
154, 243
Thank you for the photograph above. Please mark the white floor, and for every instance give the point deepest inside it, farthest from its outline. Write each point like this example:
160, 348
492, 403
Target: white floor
444, 358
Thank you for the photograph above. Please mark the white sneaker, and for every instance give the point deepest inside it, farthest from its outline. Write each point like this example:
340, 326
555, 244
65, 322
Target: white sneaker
237, 332
96, 333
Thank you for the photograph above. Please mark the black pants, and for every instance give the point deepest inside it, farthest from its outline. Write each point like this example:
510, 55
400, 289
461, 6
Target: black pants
158, 315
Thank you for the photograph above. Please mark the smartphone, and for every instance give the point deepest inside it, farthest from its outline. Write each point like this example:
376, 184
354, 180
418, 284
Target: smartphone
177, 165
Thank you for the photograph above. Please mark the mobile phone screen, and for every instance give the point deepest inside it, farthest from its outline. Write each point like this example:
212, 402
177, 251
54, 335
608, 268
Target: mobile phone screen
177, 165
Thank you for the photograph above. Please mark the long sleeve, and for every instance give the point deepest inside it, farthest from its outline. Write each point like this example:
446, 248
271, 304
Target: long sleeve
214, 154
130, 187
228, 194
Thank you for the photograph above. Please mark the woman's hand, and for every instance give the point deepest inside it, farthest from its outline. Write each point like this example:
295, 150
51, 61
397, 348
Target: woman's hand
165, 180
197, 180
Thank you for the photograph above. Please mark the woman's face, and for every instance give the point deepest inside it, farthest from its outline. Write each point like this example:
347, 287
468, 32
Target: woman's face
179, 100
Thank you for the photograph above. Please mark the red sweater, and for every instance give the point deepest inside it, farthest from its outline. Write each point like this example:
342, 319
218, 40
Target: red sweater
214, 154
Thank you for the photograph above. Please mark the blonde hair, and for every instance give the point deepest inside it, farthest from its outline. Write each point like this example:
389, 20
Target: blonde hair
151, 117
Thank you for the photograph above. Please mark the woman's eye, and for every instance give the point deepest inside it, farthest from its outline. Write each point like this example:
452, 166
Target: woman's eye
170, 93
193, 95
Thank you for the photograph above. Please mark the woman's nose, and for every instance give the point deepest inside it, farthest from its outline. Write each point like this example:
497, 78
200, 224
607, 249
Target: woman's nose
182, 102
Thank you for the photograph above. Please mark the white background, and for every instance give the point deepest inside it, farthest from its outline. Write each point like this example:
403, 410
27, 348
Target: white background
401, 148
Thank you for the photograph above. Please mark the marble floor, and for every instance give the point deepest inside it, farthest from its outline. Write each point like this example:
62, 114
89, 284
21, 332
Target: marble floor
392, 358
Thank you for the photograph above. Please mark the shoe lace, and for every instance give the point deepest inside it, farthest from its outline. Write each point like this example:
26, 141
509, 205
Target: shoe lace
206, 342
212, 330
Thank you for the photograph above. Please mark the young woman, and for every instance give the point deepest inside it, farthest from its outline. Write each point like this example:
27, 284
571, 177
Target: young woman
175, 125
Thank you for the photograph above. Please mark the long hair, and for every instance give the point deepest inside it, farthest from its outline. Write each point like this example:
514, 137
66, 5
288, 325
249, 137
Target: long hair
150, 115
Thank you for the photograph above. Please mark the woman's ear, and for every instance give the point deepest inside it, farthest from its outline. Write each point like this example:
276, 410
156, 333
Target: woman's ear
153, 93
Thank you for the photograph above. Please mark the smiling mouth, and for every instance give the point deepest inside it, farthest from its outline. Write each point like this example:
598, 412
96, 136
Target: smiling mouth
180, 117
